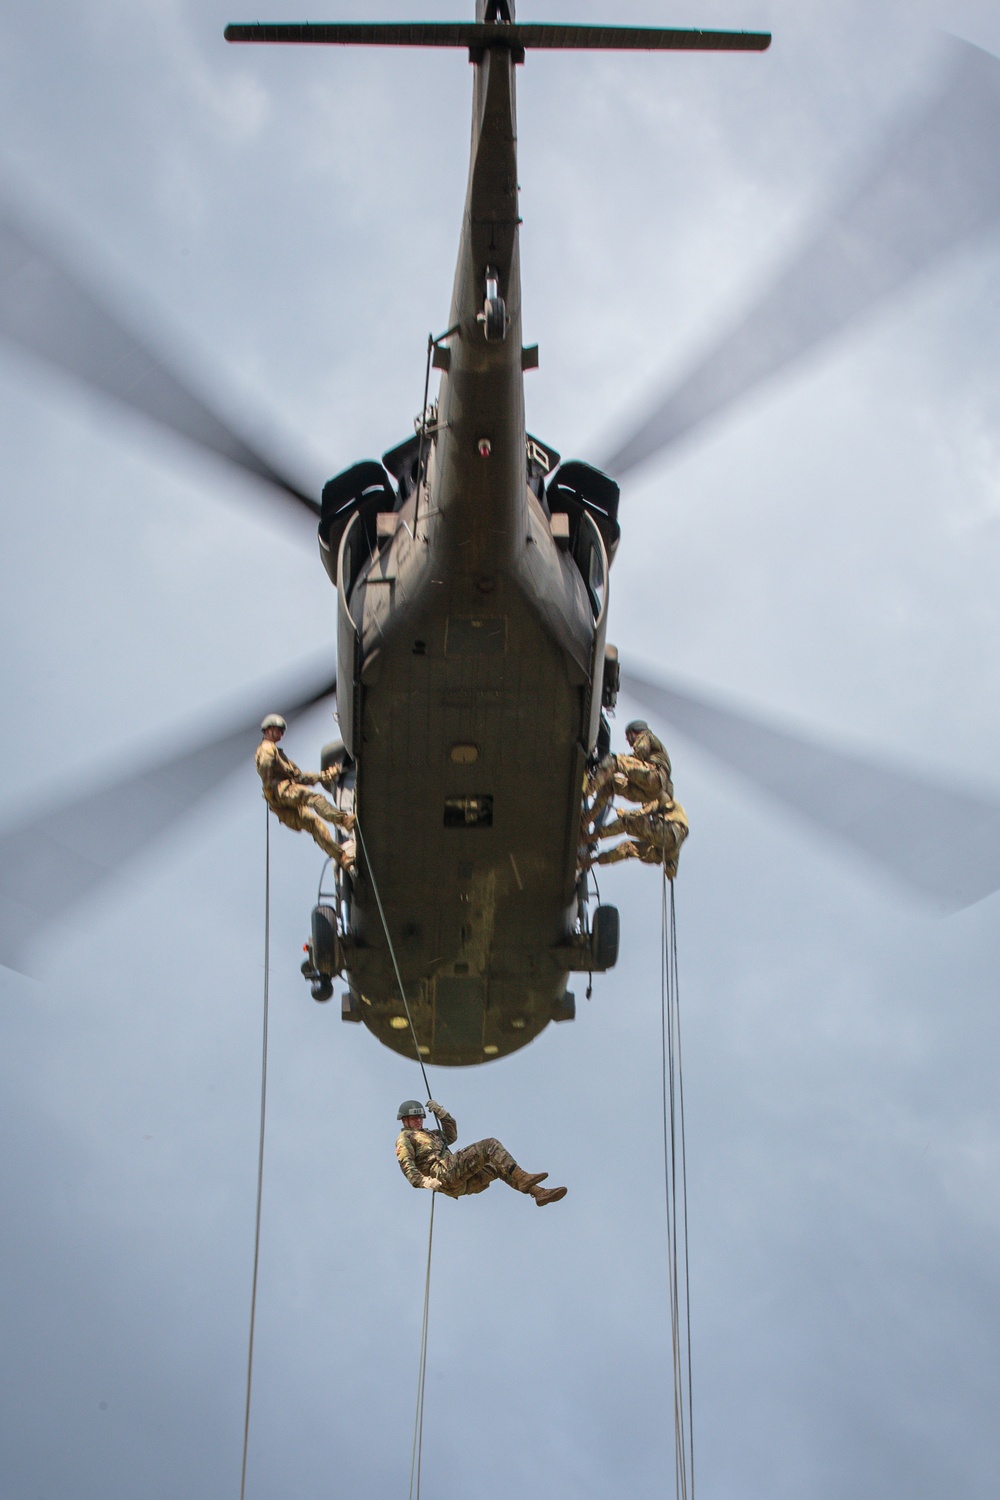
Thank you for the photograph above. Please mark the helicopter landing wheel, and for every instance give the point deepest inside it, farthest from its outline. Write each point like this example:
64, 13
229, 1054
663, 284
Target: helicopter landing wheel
494, 316
326, 953
604, 938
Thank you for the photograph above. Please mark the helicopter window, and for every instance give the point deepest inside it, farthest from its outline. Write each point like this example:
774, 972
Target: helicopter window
468, 812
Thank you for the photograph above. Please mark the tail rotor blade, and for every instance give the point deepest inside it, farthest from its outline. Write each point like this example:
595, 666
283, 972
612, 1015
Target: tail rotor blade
936, 183
46, 310
940, 842
70, 849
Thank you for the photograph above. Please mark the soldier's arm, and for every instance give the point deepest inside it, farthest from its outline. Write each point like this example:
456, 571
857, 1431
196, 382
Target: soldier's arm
409, 1168
449, 1129
264, 761
292, 771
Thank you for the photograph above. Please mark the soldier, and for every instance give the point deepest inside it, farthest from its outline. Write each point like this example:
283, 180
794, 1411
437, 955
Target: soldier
286, 792
657, 833
426, 1161
639, 777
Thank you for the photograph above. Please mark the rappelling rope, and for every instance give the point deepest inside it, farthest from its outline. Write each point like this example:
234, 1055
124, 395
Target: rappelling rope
392, 951
260, 1151
675, 1184
418, 1421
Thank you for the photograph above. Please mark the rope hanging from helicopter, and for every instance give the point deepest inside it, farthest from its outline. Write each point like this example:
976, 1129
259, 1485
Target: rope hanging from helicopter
260, 1149
416, 1459
675, 1186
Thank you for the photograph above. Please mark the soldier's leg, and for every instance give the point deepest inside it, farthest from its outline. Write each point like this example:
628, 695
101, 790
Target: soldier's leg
645, 783
489, 1159
602, 776
655, 854
342, 854
600, 800
296, 813
632, 823
286, 814
481, 1157
610, 829
600, 790
312, 823
327, 810
628, 850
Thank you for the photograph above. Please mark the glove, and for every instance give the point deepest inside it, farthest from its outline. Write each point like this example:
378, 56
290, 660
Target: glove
432, 1184
435, 1108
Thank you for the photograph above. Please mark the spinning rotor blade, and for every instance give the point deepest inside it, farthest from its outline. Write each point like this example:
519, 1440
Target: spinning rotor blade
45, 310
941, 842
936, 183
51, 860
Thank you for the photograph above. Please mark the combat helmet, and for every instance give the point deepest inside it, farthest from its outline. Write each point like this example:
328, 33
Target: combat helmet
273, 721
637, 726
410, 1107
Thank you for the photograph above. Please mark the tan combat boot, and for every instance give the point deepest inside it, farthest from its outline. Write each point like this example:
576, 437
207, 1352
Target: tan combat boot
526, 1182
548, 1195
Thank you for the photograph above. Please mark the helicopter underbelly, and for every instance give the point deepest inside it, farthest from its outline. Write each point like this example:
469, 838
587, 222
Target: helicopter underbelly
470, 771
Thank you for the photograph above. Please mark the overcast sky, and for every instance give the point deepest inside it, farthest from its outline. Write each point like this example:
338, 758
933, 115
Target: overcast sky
285, 224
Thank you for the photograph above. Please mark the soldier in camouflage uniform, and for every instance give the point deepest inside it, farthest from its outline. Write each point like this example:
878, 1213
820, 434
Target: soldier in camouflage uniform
657, 833
657, 828
642, 776
427, 1162
287, 794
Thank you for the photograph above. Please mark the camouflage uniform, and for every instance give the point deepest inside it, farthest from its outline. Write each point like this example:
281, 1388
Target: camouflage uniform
287, 794
657, 833
426, 1161
642, 776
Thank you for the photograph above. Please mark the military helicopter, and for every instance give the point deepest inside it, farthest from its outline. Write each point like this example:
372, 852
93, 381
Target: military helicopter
472, 590
471, 567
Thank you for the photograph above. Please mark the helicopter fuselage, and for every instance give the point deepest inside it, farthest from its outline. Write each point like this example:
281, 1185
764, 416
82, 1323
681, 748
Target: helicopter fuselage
471, 662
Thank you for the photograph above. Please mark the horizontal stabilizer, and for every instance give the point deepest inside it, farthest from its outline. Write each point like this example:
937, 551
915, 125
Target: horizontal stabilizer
481, 34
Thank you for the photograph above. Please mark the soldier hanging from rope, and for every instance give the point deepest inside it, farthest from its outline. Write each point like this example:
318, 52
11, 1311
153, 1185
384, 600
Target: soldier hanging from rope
427, 1162
658, 828
287, 794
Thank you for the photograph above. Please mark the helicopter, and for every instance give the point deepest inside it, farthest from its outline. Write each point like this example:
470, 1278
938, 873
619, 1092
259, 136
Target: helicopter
472, 572
471, 566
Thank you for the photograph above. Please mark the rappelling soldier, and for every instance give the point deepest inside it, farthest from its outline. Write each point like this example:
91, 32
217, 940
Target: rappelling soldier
427, 1162
657, 830
642, 776
287, 794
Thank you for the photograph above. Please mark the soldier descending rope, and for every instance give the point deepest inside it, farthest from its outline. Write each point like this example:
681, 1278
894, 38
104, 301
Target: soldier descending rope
426, 1161
286, 792
658, 828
